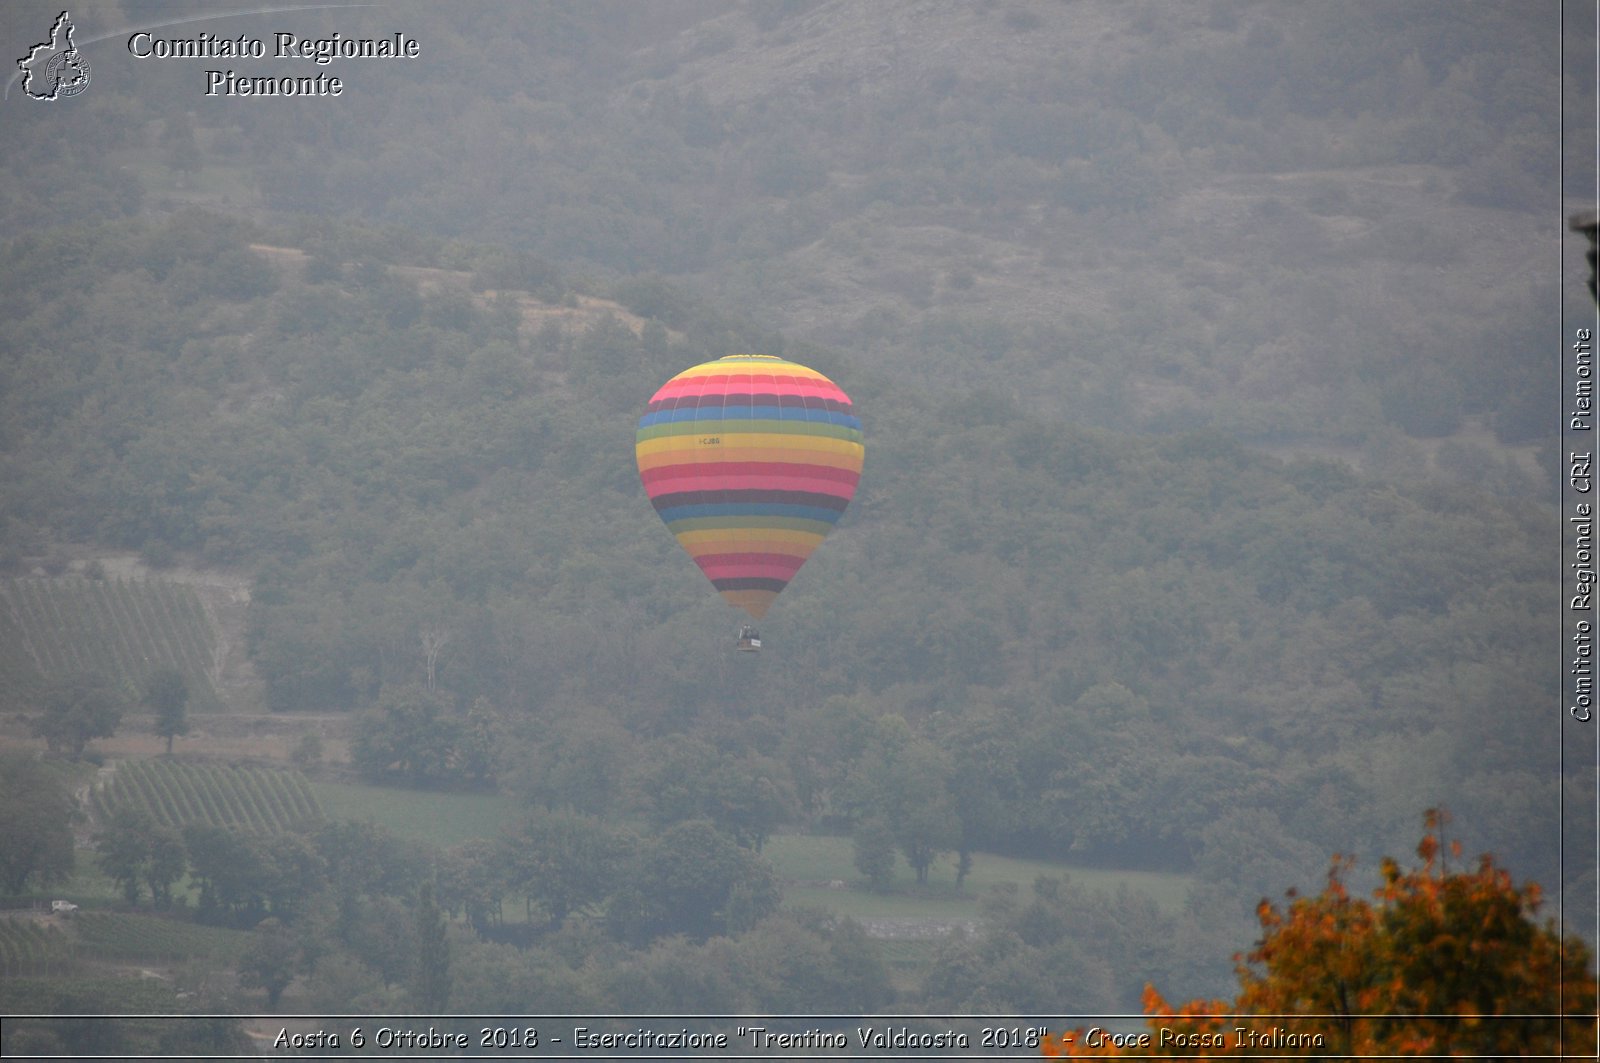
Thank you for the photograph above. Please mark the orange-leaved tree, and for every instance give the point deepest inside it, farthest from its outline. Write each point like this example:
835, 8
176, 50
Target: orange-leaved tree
1445, 963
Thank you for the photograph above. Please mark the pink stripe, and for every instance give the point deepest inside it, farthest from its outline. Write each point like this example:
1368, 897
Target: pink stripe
807, 470
697, 386
657, 487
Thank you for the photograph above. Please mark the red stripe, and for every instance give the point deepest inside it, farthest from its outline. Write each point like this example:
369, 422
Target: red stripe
764, 566
733, 476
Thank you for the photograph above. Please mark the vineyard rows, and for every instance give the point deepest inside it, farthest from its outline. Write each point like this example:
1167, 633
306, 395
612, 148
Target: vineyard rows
151, 939
117, 629
28, 948
177, 793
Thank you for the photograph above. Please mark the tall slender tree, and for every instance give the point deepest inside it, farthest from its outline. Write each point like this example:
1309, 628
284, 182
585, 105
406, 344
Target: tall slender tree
166, 694
430, 981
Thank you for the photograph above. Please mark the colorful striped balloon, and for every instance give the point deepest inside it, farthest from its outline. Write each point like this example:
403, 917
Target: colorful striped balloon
750, 460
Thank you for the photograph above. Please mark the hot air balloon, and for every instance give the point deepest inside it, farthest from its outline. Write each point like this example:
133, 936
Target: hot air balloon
750, 460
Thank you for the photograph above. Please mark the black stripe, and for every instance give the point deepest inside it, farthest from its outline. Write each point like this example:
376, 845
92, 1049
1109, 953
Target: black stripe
749, 583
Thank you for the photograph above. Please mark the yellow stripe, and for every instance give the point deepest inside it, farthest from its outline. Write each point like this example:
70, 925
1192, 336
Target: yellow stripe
717, 540
756, 603
751, 546
658, 457
720, 368
771, 447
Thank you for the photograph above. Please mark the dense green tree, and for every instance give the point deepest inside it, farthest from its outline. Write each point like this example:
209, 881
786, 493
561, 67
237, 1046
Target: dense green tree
787, 962
122, 852
474, 878
746, 796
271, 960
137, 851
478, 752
411, 734
231, 872
813, 962
578, 761
383, 937
37, 812
692, 879
307, 751
502, 979
823, 749
1075, 942
340, 980
166, 694
165, 865
293, 870
563, 861
76, 710
365, 860
874, 852
904, 783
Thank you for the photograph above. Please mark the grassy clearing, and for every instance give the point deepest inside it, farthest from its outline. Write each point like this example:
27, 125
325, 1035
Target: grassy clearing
86, 885
441, 819
809, 862
806, 863
859, 903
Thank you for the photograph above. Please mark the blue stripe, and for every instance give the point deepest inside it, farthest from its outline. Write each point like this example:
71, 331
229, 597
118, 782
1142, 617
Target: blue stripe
749, 509
749, 413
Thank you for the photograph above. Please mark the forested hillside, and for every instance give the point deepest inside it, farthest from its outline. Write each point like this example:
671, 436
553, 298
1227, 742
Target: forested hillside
1208, 518
1136, 649
1152, 215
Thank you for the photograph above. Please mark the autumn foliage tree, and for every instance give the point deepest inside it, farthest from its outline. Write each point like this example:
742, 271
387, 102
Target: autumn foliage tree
1441, 963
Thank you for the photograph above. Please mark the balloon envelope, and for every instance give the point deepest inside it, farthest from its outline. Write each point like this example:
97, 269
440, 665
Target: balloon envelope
750, 460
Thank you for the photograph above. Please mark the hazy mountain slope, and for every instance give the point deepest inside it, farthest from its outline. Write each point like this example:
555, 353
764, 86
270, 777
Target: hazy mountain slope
1253, 206
1035, 242
1304, 223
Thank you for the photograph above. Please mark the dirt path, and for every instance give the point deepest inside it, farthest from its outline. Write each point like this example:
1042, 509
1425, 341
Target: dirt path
83, 833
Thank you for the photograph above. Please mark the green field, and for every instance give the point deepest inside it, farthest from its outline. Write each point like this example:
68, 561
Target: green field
809, 862
806, 863
439, 818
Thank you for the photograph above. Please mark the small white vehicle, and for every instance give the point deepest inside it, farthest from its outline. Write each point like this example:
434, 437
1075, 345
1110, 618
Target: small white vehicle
62, 907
